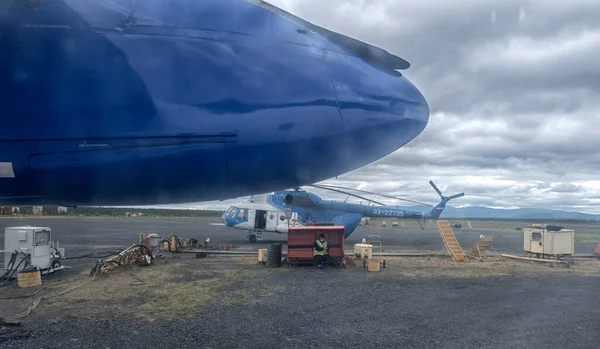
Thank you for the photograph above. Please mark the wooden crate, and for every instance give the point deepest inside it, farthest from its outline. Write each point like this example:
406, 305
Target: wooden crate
262, 255
29, 279
374, 265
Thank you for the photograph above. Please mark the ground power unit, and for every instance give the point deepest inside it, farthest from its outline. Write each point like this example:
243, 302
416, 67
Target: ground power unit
27, 247
546, 241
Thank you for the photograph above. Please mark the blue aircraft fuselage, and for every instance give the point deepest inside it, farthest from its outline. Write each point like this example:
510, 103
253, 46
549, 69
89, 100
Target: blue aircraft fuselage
118, 102
311, 208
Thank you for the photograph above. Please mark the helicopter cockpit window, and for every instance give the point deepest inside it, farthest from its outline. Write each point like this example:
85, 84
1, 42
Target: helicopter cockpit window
242, 214
233, 212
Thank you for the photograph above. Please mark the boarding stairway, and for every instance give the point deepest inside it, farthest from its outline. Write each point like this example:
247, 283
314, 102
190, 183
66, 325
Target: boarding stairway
452, 245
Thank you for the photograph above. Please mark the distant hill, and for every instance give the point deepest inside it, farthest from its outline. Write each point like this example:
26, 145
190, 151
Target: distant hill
521, 213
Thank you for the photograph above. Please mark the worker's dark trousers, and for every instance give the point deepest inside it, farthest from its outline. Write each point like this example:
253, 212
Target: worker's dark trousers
321, 259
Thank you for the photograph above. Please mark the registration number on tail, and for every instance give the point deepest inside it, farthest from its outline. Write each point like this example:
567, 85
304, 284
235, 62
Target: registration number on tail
388, 212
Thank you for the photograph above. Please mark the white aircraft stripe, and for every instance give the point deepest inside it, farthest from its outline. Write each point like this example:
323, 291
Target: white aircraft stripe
6, 170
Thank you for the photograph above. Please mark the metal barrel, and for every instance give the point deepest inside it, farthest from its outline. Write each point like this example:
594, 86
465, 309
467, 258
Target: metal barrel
274, 255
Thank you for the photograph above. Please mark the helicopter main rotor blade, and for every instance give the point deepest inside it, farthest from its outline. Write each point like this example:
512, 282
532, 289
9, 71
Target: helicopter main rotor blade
436, 188
372, 193
343, 192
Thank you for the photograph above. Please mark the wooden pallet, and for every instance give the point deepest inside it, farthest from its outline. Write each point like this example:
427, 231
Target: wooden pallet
481, 246
452, 245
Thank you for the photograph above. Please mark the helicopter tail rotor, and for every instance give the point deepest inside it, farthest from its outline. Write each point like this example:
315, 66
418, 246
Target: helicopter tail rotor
456, 196
446, 198
436, 188
437, 210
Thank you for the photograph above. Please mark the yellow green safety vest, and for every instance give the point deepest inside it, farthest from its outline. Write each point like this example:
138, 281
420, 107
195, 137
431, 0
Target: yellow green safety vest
323, 245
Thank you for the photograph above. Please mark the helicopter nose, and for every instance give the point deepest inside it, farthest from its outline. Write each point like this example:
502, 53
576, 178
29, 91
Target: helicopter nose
224, 219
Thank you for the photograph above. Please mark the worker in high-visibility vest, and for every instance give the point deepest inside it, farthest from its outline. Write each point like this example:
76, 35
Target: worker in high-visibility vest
320, 250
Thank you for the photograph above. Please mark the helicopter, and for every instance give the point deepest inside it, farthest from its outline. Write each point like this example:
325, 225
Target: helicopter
276, 212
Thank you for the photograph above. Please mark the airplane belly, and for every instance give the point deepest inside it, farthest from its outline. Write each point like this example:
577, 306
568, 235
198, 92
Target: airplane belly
136, 175
15, 179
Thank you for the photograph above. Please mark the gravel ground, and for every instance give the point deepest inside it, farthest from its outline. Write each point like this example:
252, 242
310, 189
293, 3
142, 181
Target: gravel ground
233, 303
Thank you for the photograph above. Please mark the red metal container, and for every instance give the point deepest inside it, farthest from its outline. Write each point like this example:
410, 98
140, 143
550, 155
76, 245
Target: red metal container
301, 240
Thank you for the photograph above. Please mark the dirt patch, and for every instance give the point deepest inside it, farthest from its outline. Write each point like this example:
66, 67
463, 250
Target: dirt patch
168, 289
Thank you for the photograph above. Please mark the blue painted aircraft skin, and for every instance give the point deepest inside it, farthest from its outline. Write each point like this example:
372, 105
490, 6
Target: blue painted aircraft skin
312, 208
119, 102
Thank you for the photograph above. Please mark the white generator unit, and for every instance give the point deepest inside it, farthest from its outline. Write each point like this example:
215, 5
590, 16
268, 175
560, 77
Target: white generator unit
548, 240
31, 246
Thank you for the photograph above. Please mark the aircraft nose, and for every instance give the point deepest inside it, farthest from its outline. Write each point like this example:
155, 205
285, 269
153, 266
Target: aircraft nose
383, 119
398, 105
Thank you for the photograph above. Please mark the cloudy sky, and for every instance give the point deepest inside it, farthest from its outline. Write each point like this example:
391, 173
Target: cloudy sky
514, 91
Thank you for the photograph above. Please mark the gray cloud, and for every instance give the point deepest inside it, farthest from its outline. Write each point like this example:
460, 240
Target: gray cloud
567, 188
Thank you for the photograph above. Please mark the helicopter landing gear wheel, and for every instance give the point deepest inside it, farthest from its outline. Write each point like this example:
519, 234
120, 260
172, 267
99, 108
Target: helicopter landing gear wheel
252, 238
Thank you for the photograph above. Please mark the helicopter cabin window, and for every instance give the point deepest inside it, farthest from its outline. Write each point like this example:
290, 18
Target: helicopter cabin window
233, 212
242, 214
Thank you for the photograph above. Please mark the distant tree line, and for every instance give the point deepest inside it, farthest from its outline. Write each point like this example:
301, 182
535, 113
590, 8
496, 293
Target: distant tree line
116, 212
